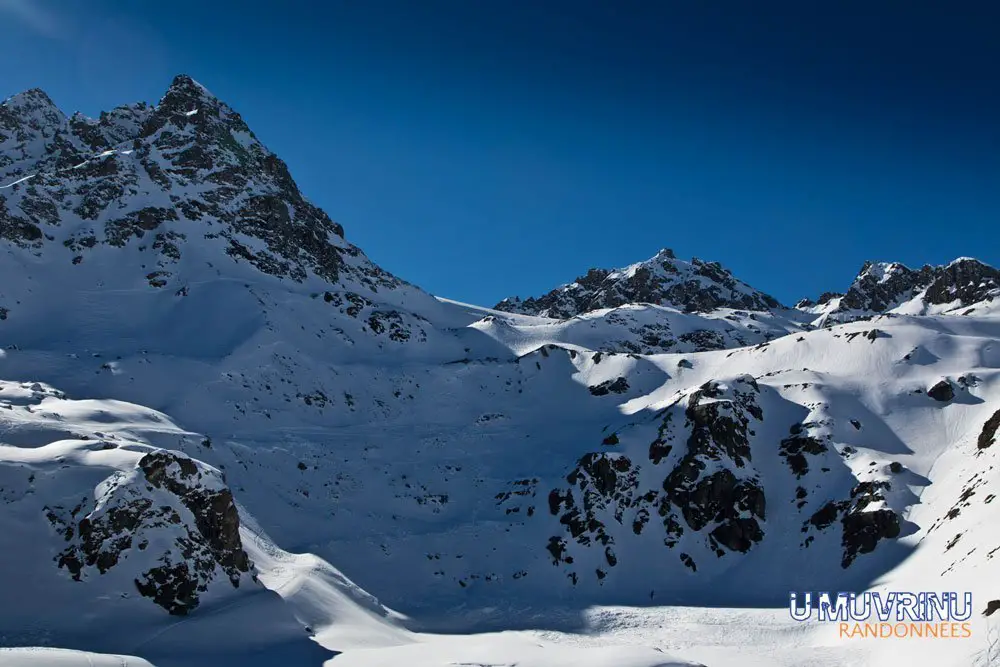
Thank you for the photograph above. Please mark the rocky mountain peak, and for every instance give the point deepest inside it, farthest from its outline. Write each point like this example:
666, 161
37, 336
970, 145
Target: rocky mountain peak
880, 285
28, 106
186, 87
885, 286
167, 202
882, 271
110, 128
32, 126
189, 108
191, 154
965, 281
695, 286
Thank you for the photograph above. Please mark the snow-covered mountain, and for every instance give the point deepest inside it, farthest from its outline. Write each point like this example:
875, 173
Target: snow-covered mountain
660, 305
961, 287
634, 469
694, 286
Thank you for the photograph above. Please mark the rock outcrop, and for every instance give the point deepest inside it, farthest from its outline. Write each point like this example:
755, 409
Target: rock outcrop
988, 436
864, 520
698, 479
171, 521
942, 391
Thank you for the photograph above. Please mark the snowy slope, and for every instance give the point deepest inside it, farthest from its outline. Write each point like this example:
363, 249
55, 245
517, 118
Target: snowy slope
641, 476
641, 329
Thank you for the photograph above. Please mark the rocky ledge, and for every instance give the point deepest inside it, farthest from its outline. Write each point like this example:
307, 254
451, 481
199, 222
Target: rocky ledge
171, 521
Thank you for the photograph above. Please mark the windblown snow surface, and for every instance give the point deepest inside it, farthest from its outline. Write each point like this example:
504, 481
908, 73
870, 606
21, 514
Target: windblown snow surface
252, 458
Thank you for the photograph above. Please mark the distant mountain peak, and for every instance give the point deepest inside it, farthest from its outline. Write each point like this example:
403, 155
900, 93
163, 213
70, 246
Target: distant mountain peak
185, 95
695, 286
882, 271
882, 287
186, 168
184, 84
33, 109
967, 261
30, 96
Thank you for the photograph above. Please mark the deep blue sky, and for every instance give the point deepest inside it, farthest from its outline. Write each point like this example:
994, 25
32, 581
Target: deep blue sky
486, 148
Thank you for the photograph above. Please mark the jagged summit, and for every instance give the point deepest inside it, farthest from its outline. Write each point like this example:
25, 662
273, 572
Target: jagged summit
30, 125
33, 97
184, 85
186, 94
190, 151
882, 287
170, 197
695, 286
189, 99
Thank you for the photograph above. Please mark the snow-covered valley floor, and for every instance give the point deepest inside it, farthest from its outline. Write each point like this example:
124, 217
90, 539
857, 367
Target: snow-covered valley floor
374, 505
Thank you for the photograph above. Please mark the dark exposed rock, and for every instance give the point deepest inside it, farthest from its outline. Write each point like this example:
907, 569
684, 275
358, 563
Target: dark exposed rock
694, 286
720, 427
863, 530
794, 449
880, 287
738, 534
181, 504
394, 324
865, 493
689, 562
557, 548
968, 380
173, 587
862, 527
704, 340
16, 229
214, 511
943, 391
659, 448
719, 431
988, 435
641, 338
606, 483
965, 280
616, 386
826, 297
825, 516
